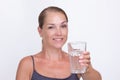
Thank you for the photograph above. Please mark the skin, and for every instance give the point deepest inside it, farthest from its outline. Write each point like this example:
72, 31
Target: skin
52, 61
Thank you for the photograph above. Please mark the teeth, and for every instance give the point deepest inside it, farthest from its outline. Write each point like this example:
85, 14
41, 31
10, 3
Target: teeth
58, 39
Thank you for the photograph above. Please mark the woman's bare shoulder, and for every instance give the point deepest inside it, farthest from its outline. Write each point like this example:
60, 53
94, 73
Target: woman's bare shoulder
26, 59
25, 68
26, 63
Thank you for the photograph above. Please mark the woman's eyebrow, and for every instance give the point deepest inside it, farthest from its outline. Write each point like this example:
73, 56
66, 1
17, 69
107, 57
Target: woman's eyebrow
54, 24
50, 24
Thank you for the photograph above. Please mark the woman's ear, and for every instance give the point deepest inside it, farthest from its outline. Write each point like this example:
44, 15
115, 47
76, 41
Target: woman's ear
40, 31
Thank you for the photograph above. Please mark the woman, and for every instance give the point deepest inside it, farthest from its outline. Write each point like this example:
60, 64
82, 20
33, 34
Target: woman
52, 63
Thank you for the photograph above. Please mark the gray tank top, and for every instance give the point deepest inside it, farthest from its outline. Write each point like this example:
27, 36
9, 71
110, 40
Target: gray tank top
37, 76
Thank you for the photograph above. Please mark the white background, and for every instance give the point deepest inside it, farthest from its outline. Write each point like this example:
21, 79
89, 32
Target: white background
95, 21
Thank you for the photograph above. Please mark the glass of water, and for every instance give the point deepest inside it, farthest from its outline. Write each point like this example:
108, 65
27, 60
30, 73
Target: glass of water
75, 49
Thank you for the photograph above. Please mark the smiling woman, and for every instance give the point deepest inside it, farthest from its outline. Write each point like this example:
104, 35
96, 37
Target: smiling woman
52, 63
54, 30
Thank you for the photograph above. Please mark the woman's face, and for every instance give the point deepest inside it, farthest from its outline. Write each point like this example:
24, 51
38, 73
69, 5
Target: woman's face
55, 30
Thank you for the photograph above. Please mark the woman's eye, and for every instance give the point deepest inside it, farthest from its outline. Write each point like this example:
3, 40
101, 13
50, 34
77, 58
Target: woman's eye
50, 27
64, 26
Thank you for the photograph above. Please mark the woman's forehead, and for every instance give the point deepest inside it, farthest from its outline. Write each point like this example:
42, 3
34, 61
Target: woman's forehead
54, 16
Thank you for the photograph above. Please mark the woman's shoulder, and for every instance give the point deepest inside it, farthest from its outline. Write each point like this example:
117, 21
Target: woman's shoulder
24, 67
25, 59
25, 62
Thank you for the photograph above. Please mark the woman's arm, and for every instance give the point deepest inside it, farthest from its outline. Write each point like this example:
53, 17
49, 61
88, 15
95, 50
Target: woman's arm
91, 74
24, 69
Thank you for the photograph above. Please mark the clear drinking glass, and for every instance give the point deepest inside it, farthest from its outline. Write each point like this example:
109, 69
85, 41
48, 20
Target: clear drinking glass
75, 49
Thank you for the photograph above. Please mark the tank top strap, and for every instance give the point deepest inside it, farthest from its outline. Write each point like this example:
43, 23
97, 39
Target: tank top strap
33, 63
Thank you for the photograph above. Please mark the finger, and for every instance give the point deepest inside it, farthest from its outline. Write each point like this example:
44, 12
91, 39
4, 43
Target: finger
84, 56
86, 53
84, 61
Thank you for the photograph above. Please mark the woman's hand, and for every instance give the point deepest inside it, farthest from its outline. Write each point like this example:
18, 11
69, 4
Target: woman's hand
91, 73
84, 59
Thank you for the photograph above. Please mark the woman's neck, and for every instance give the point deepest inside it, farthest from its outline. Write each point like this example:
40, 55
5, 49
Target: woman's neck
53, 54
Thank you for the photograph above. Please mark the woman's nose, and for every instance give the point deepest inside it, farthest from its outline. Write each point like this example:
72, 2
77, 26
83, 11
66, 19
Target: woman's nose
58, 32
